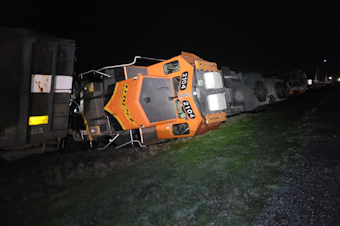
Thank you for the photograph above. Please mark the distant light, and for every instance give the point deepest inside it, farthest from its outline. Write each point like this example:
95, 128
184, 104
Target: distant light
339, 79
310, 82
330, 78
325, 60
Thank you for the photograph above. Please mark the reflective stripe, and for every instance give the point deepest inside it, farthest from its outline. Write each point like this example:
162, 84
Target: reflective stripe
41, 83
63, 82
38, 120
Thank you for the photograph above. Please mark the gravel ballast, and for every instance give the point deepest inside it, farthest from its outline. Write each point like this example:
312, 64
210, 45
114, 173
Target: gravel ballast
310, 189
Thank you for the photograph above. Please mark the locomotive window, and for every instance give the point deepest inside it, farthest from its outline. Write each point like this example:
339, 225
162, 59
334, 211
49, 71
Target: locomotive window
180, 110
171, 67
175, 85
181, 129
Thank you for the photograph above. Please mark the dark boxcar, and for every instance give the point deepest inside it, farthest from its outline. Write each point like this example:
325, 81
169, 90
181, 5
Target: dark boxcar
36, 81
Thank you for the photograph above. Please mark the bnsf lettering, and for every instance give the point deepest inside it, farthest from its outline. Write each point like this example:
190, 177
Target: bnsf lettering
122, 104
123, 96
188, 109
184, 80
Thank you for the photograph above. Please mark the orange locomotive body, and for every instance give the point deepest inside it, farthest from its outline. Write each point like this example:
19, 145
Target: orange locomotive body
162, 99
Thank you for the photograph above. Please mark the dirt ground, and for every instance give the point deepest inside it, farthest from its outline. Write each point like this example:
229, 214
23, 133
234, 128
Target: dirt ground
309, 191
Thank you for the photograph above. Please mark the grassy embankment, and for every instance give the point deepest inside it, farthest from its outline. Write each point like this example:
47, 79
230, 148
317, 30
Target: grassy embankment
223, 177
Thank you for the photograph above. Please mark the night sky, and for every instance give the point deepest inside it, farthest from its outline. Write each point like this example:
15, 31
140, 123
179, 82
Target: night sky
246, 37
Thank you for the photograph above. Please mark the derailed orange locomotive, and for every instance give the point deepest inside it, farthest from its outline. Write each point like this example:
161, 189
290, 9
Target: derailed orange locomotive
180, 97
162, 101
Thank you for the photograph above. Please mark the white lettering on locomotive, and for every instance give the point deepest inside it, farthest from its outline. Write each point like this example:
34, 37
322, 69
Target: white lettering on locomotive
188, 109
184, 80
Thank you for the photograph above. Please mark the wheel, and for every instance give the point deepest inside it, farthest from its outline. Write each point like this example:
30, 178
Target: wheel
279, 89
285, 90
260, 91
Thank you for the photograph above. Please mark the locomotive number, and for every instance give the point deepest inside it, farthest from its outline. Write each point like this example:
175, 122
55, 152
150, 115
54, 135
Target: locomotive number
184, 80
188, 109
